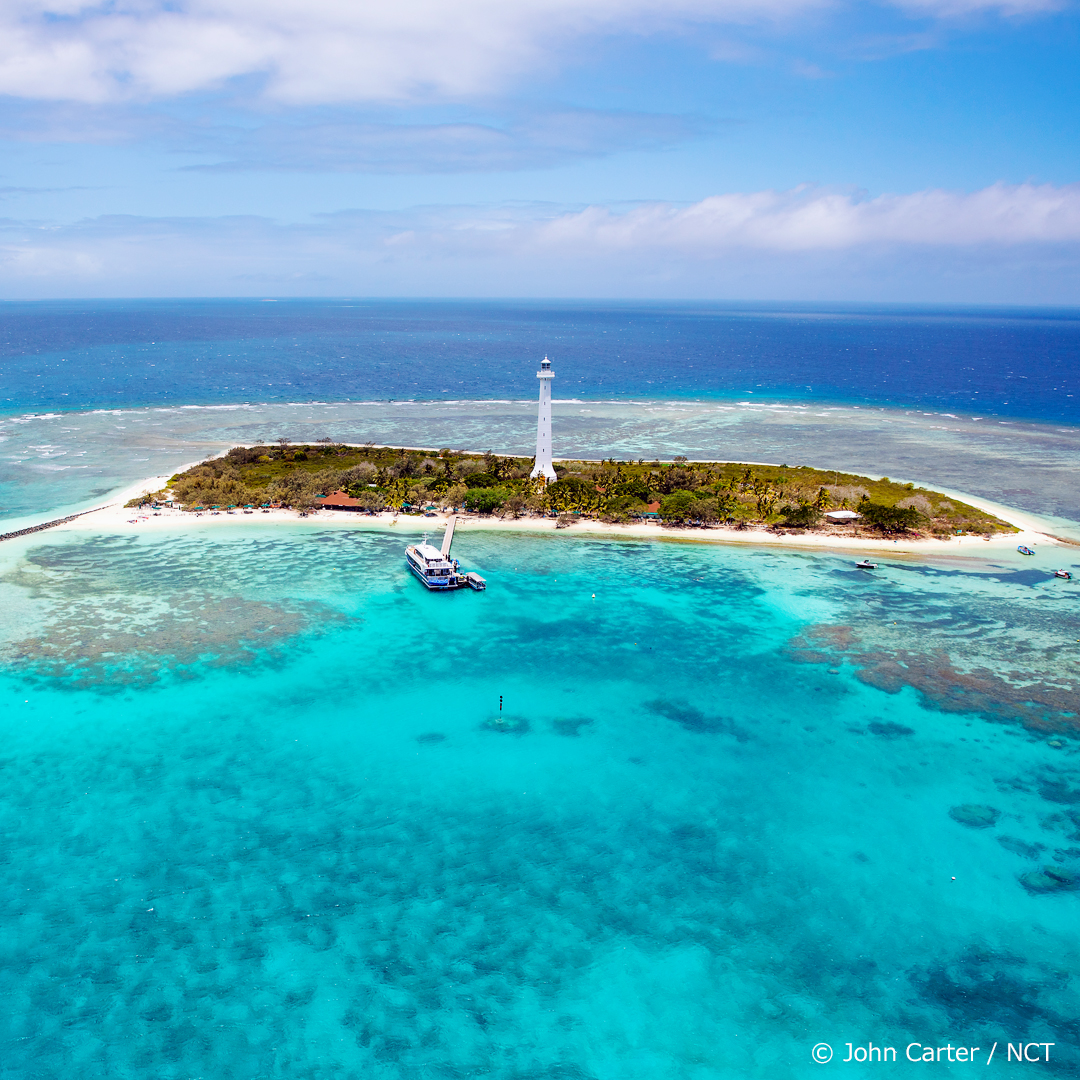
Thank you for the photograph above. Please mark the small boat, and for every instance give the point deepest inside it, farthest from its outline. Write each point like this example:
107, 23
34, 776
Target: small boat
475, 581
866, 564
1025, 550
1063, 574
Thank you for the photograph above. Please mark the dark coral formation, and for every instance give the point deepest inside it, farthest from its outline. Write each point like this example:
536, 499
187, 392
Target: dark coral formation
975, 816
122, 644
693, 719
1027, 692
1059, 789
1021, 847
993, 995
889, 729
119, 613
1042, 707
1050, 879
570, 725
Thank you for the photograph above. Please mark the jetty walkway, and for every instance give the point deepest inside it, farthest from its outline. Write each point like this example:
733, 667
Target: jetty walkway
48, 524
448, 537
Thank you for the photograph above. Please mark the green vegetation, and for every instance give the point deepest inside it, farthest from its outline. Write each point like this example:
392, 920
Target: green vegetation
802, 517
890, 519
485, 500
678, 492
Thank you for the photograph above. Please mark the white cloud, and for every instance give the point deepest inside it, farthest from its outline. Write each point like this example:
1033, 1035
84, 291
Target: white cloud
1001, 244
315, 50
810, 219
319, 51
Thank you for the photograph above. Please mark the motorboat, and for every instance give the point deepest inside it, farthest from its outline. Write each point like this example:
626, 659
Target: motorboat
1025, 550
866, 564
1063, 574
436, 570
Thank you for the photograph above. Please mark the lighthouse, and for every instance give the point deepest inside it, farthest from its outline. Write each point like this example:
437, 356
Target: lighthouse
543, 466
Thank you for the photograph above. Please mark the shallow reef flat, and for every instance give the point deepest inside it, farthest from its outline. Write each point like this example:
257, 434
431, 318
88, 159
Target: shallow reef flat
77, 460
261, 818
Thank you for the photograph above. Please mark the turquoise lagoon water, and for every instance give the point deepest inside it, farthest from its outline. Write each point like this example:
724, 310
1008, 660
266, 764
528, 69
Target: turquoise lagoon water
261, 817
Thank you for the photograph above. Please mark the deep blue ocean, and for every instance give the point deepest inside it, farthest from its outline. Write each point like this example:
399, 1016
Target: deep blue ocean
78, 354
262, 817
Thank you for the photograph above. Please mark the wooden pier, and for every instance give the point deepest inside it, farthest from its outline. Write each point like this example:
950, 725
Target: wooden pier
448, 537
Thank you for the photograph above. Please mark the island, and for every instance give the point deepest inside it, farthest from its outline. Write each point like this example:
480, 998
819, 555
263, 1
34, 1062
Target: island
674, 493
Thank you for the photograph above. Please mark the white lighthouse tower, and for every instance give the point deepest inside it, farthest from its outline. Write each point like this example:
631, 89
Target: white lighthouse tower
543, 465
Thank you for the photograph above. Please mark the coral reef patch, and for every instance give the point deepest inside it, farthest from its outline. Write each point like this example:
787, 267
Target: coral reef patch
90, 645
570, 726
1021, 847
1050, 879
997, 995
1022, 688
693, 719
889, 729
975, 816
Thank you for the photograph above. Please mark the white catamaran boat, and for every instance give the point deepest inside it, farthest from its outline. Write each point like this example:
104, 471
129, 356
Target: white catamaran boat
432, 567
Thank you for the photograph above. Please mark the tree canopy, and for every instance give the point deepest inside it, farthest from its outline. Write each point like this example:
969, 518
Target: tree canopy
686, 492
890, 519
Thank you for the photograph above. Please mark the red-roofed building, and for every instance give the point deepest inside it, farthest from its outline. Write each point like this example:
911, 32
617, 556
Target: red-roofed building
338, 500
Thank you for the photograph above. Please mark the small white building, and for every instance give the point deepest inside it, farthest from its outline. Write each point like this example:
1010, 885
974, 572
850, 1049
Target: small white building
842, 517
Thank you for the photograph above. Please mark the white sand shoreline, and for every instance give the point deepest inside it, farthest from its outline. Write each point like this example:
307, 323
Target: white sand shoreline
116, 518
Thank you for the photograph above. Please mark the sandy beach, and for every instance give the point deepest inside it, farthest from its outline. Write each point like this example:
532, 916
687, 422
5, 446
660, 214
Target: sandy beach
116, 518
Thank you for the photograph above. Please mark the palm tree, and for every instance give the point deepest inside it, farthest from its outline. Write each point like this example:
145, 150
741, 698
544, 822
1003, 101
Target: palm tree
767, 497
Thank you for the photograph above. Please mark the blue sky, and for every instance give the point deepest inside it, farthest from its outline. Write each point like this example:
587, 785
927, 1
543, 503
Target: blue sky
782, 149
